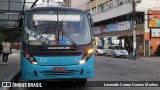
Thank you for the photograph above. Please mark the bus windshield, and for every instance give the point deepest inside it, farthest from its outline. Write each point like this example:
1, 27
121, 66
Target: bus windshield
56, 28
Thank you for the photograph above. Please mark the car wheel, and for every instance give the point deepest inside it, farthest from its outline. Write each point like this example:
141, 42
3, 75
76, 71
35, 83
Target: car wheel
96, 53
106, 54
114, 55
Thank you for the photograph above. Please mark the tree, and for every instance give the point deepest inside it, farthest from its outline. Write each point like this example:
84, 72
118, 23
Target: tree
12, 34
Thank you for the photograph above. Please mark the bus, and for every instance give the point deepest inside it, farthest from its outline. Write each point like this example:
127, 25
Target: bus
57, 43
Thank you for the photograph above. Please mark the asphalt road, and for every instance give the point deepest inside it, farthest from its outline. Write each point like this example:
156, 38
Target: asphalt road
115, 69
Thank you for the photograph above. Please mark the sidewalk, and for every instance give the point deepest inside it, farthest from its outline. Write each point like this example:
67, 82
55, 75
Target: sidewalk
12, 67
154, 59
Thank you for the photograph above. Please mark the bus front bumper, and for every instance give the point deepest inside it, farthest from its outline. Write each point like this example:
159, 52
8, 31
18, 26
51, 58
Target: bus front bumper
36, 72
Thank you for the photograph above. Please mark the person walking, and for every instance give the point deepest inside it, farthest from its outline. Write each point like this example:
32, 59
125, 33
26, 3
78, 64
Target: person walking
6, 50
131, 52
0, 48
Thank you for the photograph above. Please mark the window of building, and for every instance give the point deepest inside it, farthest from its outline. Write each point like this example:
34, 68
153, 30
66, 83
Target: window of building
94, 11
140, 19
100, 8
109, 5
122, 2
126, 1
104, 7
119, 2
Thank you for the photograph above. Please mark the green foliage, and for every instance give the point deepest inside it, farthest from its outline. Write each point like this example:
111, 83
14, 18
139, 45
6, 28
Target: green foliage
12, 34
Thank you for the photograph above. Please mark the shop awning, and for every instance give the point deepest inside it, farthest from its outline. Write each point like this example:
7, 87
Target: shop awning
139, 31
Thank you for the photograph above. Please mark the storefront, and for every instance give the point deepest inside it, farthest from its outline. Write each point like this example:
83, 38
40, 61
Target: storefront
152, 37
120, 33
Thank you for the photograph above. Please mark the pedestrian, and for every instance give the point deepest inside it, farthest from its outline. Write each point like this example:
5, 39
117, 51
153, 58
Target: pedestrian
6, 50
0, 48
131, 52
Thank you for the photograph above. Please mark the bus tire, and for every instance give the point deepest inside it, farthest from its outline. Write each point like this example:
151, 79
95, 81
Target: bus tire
81, 82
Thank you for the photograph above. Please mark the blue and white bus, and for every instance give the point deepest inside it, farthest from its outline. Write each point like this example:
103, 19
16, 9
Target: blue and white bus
57, 44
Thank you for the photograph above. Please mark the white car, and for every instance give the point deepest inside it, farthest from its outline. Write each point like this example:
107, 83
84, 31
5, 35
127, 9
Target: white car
116, 51
99, 50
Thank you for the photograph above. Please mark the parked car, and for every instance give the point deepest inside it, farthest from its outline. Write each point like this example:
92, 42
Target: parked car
99, 50
116, 51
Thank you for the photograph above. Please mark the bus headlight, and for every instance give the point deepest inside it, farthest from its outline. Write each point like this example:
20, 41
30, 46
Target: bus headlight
30, 58
90, 51
82, 61
27, 55
35, 63
86, 56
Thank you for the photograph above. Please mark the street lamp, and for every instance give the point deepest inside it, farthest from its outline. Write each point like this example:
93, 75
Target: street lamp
134, 2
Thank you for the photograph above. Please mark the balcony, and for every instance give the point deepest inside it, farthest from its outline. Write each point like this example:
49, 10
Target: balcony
115, 12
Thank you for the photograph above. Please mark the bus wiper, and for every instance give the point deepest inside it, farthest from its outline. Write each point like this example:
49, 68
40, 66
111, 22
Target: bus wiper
73, 42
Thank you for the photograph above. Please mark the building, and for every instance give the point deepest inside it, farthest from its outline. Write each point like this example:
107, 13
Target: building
81, 4
113, 24
7, 19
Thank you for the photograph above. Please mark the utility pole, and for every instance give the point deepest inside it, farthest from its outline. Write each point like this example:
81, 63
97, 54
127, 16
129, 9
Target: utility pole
134, 29
134, 2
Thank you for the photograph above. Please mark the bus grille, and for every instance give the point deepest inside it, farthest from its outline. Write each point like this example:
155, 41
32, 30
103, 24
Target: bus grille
61, 53
66, 73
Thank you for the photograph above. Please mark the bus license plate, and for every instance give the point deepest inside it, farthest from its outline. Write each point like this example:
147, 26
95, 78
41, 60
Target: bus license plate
59, 69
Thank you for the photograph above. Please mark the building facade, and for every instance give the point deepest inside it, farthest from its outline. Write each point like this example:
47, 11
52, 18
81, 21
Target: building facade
80, 4
113, 24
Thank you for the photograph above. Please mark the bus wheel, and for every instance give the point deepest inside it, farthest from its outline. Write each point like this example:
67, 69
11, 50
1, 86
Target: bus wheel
81, 82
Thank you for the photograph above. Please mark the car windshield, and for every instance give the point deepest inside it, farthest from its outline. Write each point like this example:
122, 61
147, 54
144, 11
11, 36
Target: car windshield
119, 47
100, 47
48, 28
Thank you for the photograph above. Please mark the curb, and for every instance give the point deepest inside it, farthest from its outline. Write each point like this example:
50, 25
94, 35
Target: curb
16, 76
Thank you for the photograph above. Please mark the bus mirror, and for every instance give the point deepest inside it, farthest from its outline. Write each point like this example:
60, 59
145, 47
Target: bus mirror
20, 23
92, 24
91, 20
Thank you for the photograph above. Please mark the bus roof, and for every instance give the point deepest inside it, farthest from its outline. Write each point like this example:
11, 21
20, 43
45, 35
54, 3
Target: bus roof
54, 8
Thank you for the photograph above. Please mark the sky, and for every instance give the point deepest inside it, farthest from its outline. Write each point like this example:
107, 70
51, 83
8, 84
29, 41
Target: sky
40, 1
148, 4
